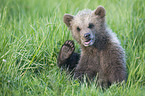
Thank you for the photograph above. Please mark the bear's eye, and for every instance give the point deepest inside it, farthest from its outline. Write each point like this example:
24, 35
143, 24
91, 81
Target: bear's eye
78, 29
91, 25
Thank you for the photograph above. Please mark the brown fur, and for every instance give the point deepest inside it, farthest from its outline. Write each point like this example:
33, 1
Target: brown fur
101, 52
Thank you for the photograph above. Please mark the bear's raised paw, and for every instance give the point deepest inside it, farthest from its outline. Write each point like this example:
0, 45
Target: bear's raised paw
66, 50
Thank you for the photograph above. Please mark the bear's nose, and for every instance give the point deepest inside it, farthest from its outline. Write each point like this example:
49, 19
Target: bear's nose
87, 36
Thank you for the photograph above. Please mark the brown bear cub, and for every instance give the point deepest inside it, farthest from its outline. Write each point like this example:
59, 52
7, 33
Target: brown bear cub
101, 52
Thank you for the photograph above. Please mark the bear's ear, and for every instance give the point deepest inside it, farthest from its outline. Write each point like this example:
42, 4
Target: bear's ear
67, 18
100, 11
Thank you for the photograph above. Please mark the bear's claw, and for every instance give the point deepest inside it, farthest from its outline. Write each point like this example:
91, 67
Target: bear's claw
67, 49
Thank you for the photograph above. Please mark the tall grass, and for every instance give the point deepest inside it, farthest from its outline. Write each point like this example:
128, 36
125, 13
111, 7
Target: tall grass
32, 32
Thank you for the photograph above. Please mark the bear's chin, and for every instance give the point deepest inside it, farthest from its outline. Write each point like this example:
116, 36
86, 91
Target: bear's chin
89, 43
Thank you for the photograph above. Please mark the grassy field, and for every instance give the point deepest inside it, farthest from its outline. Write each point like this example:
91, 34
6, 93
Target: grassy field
32, 32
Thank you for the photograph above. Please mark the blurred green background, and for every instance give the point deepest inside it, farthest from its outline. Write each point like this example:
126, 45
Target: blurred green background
32, 32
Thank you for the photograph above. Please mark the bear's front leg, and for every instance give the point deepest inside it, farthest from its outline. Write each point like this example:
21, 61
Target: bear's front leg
67, 58
89, 74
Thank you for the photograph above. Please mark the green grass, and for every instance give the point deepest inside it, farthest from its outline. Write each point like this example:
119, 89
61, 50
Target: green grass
32, 32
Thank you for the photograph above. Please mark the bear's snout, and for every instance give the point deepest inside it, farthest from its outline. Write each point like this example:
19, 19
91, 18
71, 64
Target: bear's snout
88, 39
87, 36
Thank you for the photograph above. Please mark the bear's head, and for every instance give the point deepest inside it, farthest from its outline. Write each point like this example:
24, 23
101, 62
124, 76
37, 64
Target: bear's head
86, 25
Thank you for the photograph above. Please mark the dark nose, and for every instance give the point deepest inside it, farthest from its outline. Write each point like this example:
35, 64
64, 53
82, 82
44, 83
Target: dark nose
87, 36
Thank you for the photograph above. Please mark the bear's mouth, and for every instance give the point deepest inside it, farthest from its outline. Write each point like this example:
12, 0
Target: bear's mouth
89, 43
